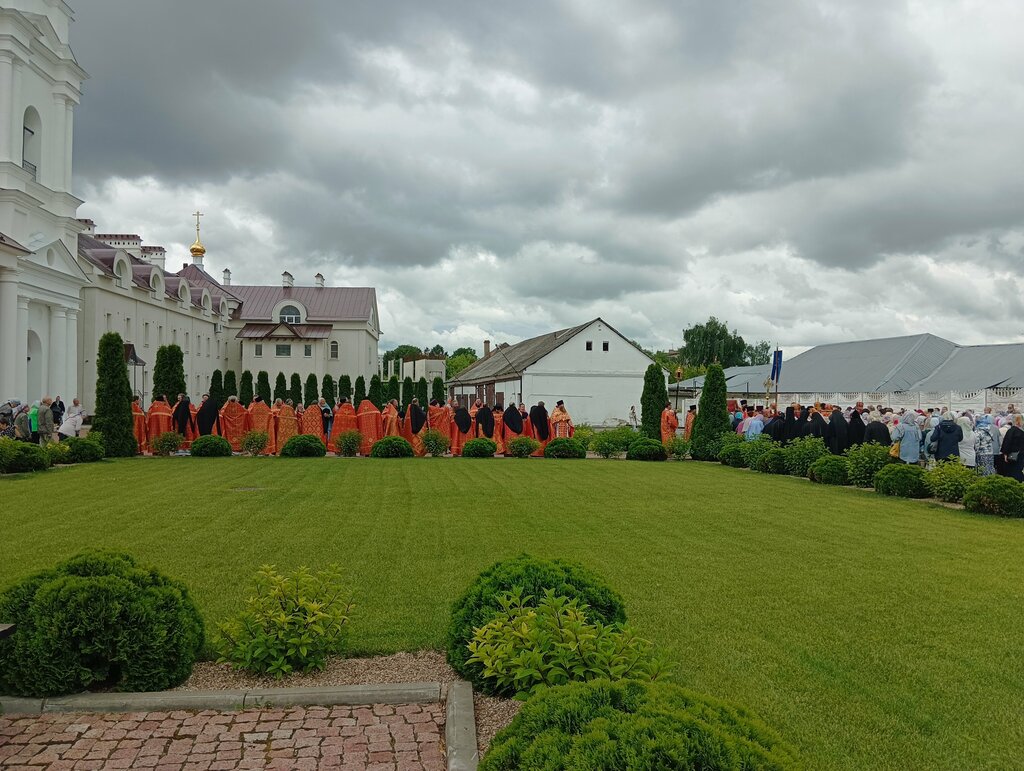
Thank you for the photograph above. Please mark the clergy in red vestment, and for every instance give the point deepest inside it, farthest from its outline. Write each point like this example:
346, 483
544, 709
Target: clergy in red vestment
159, 418
462, 426
234, 423
369, 421
691, 416
499, 428
512, 422
416, 423
139, 424
541, 426
405, 425
525, 416
389, 418
287, 423
261, 418
312, 422
561, 423
439, 419
344, 419
669, 424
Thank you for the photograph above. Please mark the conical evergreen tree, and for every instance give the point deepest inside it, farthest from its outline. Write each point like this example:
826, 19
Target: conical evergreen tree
376, 392
345, 387
217, 387
393, 390
652, 401
327, 390
113, 415
295, 389
263, 387
245, 389
310, 393
280, 387
437, 390
408, 391
712, 416
169, 372
360, 392
421, 391
230, 385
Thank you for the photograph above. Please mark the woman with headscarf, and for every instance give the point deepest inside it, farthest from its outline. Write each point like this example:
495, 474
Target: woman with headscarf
985, 448
856, 428
876, 430
944, 441
908, 435
968, 456
789, 425
837, 438
1013, 449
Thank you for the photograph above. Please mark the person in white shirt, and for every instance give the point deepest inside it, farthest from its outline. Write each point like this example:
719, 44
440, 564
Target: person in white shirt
71, 425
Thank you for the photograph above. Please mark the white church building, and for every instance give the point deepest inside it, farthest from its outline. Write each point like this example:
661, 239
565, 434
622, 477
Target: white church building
62, 285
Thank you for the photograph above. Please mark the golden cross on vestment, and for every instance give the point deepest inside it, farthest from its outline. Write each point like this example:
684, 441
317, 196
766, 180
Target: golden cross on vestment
197, 214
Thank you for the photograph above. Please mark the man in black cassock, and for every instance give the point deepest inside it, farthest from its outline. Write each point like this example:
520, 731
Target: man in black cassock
207, 416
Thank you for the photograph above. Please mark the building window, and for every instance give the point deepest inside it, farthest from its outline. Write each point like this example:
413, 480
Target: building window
208, 347
108, 322
259, 350
604, 346
32, 142
307, 351
145, 334
290, 315
186, 342
334, 349
590, 345
160, 334
282, 349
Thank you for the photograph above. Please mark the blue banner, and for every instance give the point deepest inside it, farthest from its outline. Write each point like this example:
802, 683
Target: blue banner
776, 365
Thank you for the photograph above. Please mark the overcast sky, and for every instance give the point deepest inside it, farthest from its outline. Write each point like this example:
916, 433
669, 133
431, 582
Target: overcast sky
807, 171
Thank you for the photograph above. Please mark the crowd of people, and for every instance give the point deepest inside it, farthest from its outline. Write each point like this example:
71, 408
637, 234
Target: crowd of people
991, 441
282, 420
42, 421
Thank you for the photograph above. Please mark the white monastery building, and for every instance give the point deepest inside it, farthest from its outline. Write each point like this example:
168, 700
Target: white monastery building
62, 285
593, 368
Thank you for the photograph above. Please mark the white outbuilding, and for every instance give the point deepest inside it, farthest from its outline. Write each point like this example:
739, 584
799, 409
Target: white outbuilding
597, 372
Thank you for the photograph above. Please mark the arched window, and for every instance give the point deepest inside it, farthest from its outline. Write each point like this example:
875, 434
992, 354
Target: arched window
290, 315
334, 349
32, 142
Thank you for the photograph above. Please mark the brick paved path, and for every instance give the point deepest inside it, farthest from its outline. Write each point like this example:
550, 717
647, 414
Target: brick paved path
379, 737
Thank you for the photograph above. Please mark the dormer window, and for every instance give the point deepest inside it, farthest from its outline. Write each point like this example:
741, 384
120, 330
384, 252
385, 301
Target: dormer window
290, 315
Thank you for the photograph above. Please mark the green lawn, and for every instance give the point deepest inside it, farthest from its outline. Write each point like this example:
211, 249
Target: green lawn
870, 632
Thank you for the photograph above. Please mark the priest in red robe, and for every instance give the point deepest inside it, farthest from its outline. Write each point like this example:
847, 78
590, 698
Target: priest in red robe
159, 420
261, 418
561, 424
499, 428
369, 421
669, 424
287, 423
344, 419
312, 422
525, 417
234, 423
139, 424
389, 418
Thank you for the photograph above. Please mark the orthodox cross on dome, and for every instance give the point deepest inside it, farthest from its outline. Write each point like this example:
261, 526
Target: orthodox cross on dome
197, 249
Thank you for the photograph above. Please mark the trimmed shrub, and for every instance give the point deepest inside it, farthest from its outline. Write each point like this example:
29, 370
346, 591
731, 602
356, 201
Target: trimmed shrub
829, 470
263, 387
392, 447
733, 455
997, 495
755, 448
347, 443
648, 450
254, 442
729, 439
22, 457
534, 643
678, 448
87, 449
435, 442
168, 374
801, 453
949, 480
479, 448
772, 462
712, 416
211, 447
57, 452
901, 479
8, 448
304, 446
290, 623
584, 433
562, 448
866, 460
167, 443
98, 620
479, 604
522, 446
606, 445
114, 395
632, 726
652, 401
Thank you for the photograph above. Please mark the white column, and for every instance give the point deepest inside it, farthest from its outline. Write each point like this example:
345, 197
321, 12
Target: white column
69, 141
6, 107
9, 333
71, 357
57, 383
21, 356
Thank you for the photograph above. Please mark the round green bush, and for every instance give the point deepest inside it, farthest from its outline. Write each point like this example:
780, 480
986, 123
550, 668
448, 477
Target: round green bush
167, 443
866, 460
84, 450
435, 442
584, 433
949, 480
479, 448
631, 725
391, 447
1001, 496
605, 445
211, 447
733, 455
772, 462
304, 446
98, 620
347, 443
648, 450
564, 448
522, 446
901, 479
801, 453
26, 457
754, 449
255, 442
57, 452
8, 449
480, 604
829, 470
678, 448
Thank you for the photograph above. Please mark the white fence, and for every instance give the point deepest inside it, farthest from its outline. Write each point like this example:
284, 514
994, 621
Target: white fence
996, 398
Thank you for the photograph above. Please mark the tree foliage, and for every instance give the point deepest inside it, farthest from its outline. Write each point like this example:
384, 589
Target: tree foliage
280, 387
230, 385
393, 390
360, 392
376, 392
459, 361
217, 387
713, 343
345, 387
408, 391
712, 416
263, 386
437, 389
652, 401
295, 388
421, 390
113, 416
168, 372
245, 391
310, 394
327, 390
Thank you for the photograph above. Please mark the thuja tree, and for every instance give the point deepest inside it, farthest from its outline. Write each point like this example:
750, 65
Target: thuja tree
360, 392
376, 392
168, 372
652, 401
310, 394
712, 416
263, 386
230, 385
407, 391
295, 388
245, 389
421, 391
113, 416
217, 387
345, 387
327, 390
393, 390
280, 387
437, 390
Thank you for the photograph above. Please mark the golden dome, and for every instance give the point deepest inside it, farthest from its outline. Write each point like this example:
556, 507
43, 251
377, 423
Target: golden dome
197, 249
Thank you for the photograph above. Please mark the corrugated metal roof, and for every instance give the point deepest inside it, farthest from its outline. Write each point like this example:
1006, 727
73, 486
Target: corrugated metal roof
304, 331
974, 367
322, 303
510, 361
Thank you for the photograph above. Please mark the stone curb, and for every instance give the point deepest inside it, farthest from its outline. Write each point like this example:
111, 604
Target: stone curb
227, 700
460, 728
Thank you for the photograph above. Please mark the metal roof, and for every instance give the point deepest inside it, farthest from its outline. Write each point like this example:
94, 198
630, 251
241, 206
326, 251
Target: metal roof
322, 303
283, 330
974, 367
510, 361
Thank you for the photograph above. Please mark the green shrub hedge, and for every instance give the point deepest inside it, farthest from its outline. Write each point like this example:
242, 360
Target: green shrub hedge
949, 480
480, 603
347, 443
997, 495
391, 447
254, 442
57, 452
434, 442
901, 479
304, 446
733, 455
87, 449
211, 447
754, 449
678, 448
479, 448
20, 457
522, 446
829, 470
634, 726
564, 449
801, 453
166, 443
866, 460
648, 450
98, 620
772, 462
